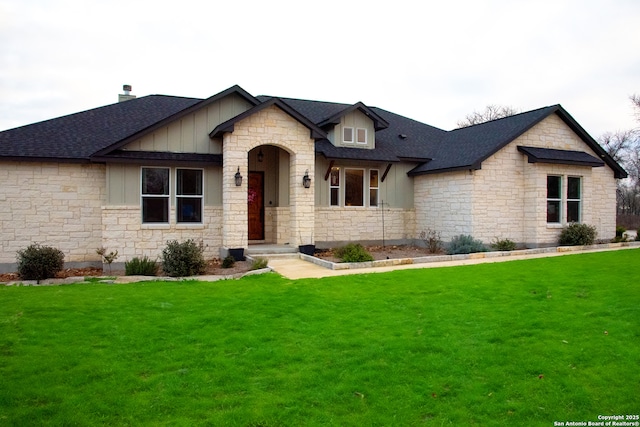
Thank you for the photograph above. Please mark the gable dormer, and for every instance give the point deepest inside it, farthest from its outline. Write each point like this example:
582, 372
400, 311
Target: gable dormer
354, 127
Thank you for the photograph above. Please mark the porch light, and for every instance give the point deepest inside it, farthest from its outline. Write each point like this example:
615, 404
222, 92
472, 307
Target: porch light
260, 156
238, 178
306, 179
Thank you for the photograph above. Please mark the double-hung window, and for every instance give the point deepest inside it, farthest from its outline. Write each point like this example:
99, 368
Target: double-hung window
334, 186
573, 199
374, 185
554, 199
564, 201
189, 195
155, 195
347, 135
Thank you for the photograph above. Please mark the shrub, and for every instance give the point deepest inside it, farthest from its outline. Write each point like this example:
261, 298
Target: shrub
228, 262
141, 267
503, 245
576, 234
620, 231
432, 239
259, 263
464, 244
353, 252
183, 259
39, 262
638, 235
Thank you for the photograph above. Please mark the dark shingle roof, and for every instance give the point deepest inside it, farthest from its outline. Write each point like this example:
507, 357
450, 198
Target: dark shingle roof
77, 136
98, 134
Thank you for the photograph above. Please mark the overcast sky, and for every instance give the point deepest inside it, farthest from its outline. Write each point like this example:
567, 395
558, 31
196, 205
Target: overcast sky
433, 61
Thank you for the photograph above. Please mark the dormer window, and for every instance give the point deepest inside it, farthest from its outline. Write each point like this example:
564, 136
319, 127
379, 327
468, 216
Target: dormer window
347, 135
361, 136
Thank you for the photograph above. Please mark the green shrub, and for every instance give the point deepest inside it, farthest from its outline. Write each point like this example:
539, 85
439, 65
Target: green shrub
503, 245
259, 263
464, 244
620, 230
141, 267
183, 259
228, 262
38, 262
576, 234
353, 252
638, 235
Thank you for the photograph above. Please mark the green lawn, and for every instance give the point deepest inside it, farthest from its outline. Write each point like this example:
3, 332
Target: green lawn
518, 343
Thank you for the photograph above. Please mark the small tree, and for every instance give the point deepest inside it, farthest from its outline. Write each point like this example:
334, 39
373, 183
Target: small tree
491, 112
107, 257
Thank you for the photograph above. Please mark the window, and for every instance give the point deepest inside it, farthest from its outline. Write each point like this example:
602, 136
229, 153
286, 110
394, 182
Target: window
373, 187
554, 190
347, 135
361, 136
334, 186
155, 195
189, 195
573, 199
571, 202
354, 187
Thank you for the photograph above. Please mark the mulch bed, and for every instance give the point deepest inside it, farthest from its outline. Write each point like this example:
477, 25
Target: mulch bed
213, 268
380, 252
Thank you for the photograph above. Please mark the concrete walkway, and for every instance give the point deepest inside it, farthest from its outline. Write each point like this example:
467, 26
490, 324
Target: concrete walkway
296, 268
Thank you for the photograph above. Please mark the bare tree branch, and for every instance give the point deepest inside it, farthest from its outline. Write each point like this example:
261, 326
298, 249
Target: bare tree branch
491, 112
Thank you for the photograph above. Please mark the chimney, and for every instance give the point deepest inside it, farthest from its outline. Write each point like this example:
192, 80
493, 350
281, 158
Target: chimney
127, 94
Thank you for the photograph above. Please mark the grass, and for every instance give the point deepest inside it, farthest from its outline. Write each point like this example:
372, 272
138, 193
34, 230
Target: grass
520, 343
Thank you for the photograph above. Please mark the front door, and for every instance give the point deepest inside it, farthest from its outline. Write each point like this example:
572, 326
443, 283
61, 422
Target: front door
255, 199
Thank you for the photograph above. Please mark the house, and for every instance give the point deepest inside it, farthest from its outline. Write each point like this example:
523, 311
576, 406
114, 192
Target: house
235, 170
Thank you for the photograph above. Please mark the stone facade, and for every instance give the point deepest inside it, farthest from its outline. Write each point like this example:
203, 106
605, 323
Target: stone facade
53, 204
122, 230
335, 225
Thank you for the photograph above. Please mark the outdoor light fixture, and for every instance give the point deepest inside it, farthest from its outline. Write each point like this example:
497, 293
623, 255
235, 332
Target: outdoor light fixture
306, 179
238, 178
260, 156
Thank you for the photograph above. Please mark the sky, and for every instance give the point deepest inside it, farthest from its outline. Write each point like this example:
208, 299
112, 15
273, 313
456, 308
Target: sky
432, 61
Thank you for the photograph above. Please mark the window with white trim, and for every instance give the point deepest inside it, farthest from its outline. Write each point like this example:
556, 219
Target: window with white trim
189, 195
374, 185
347, 135
155, 195
554, 199
354, 187
564, 195
334, 186
361, 136
574, 199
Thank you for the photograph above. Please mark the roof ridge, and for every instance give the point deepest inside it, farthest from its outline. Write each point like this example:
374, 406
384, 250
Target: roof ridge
507, 117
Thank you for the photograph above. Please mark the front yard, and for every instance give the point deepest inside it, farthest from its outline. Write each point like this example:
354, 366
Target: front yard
520, 343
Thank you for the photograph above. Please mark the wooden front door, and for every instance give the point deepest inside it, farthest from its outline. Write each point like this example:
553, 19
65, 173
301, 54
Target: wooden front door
255, 199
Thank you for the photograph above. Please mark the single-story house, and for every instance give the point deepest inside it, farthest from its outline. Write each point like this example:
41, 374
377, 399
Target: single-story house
235, 170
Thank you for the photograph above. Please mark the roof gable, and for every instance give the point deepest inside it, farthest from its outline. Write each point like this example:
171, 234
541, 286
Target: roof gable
228, 126
378, 122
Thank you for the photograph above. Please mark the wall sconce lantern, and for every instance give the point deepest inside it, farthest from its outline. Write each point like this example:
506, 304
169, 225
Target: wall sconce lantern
238, 178
306, 179
260, 156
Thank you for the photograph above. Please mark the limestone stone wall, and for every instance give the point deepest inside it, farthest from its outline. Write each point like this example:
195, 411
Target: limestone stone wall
363, 224
122, 230
57, 205
444, 203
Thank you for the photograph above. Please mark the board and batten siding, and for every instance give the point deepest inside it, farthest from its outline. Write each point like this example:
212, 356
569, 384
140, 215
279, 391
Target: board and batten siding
190, 134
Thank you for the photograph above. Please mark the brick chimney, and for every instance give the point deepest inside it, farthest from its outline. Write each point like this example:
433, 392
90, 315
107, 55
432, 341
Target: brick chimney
127, 94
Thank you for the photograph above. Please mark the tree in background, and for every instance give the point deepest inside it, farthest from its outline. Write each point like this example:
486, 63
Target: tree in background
624, 147
491, 112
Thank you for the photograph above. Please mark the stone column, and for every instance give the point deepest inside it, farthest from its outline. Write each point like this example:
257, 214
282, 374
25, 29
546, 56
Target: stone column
234, 198
302, 199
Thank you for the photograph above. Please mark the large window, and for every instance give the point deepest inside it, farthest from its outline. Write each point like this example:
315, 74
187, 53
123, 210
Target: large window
559, 196
354, 187
155, 195
189, 195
